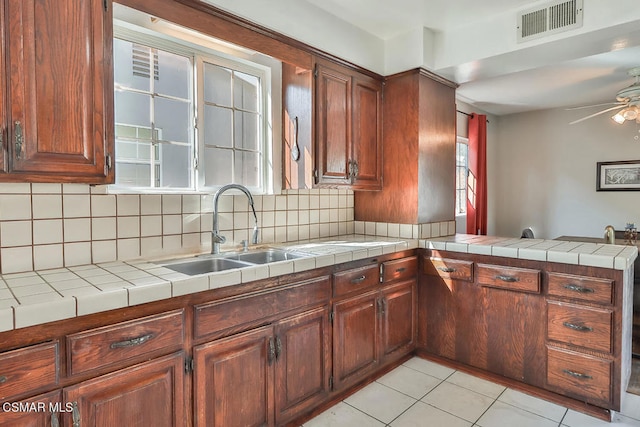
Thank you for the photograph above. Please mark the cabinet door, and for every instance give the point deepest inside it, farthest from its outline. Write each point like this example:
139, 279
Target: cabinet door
398, 319
233, 380
333, 121
303, 363
39, 411
367, 133
451, 321
3, 94
149, 394
60, 89
355, 338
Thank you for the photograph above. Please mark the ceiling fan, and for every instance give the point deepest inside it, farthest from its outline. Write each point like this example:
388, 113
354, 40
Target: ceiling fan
627, 101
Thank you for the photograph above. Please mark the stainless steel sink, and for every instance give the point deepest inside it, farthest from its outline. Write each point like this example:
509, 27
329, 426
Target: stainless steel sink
195, 266
265, 256
226, 261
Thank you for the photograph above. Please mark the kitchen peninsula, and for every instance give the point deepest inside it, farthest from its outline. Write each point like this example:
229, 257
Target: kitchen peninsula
553, 316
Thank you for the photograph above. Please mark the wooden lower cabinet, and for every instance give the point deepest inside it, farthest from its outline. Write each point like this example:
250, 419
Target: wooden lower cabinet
40, 411
265, 376
148, 394
550, 327
372, 329
355, 338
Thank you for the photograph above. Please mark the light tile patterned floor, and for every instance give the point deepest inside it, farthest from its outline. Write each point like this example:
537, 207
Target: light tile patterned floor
421, 393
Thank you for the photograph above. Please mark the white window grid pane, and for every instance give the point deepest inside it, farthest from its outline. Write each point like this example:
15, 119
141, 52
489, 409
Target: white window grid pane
154, 135
237, 151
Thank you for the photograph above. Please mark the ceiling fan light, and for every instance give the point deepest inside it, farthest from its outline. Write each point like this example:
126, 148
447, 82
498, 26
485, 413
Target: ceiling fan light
618, 118
630, 113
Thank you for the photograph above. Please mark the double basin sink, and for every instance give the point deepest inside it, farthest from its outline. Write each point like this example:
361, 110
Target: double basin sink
203, 264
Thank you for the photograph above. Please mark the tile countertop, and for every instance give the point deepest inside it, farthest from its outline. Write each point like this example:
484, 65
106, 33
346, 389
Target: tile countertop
38, 297
617, 257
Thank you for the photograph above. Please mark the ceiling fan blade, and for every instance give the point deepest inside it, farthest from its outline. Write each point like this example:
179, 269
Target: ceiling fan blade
596, 105
595, 114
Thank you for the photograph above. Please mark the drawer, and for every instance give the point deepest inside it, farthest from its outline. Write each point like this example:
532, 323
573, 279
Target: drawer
28, 369
581, 326
511, 278
448, 268
356, 279
581, 288
124, 342
235, 314
400, 269
580, 375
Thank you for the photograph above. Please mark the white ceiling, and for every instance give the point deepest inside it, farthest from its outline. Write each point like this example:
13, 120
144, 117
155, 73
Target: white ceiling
578, 67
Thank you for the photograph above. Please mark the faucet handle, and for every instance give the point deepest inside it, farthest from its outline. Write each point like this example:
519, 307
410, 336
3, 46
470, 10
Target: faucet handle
245, 245
218, 238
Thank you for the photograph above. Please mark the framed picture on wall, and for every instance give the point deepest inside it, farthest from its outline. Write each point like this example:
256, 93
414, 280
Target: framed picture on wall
618, 176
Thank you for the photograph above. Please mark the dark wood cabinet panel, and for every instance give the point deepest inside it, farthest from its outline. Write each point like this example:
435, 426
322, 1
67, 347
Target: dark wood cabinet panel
333, 122
348, 128
398, 319
60, 90
29, 370
355, 338
303, 368
367, 133
149, 394
419, 139
233, 380
3, 97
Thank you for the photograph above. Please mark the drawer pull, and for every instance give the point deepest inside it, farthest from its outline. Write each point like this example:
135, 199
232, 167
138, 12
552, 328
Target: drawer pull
3, 379
509, 279
401, 269
580, 289
447, 269
132, 342
577, 374
358, 279
575, 327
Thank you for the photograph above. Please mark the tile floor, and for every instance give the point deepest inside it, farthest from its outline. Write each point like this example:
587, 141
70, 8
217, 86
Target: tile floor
421, 393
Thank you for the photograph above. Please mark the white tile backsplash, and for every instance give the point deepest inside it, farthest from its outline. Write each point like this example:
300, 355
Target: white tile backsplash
54, 225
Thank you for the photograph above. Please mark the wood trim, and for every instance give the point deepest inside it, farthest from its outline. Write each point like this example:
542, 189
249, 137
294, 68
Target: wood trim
219, 23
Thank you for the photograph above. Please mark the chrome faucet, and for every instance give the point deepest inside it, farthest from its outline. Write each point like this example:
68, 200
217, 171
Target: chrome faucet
216, 238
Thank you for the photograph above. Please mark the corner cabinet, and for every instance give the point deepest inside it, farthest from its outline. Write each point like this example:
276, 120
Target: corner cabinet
348, 128
57, 105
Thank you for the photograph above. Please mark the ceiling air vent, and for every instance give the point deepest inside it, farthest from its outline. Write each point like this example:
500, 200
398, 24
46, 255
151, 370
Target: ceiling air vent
550, 19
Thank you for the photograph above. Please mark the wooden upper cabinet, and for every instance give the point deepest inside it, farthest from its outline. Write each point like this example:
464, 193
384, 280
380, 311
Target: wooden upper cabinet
367, 133
59, 98
348, 128
3, 86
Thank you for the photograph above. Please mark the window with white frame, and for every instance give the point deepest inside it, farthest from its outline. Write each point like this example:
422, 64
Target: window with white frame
187, 119
462, 170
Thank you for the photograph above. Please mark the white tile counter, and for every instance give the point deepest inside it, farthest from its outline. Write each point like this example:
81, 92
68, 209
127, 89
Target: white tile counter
37, 297
617, 257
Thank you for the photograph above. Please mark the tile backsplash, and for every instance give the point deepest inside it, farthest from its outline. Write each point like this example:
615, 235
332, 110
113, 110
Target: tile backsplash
46, 226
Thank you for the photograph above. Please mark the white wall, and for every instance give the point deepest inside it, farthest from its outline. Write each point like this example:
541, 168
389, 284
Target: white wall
543, 174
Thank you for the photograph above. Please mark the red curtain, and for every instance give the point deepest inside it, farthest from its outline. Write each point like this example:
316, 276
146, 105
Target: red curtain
477, 178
